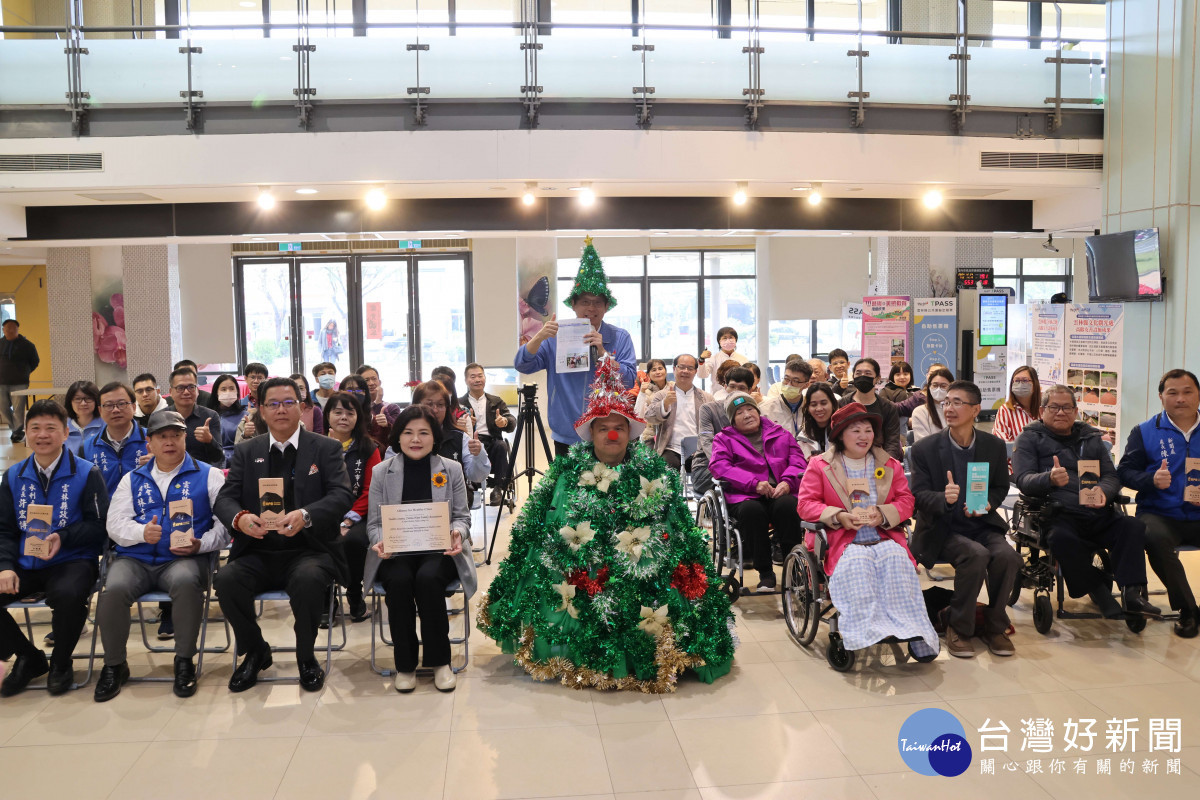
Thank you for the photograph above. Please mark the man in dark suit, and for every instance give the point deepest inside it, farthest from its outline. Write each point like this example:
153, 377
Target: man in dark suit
302, 555
490, 409
947, 531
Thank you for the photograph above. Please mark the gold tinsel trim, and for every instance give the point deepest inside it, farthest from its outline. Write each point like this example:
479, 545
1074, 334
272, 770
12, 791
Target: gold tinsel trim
483, 615
670, 659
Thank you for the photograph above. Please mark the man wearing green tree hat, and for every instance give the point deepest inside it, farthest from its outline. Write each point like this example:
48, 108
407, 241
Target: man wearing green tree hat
590, 299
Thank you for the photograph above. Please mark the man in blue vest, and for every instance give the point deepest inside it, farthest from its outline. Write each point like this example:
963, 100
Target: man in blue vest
66, 566
162, 522
1155, 464
120, 447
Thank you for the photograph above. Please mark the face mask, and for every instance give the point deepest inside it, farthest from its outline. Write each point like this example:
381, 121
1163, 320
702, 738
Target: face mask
790, 393
864, 384
303, 394
1022, 389
227, 398
327, 381
939, 394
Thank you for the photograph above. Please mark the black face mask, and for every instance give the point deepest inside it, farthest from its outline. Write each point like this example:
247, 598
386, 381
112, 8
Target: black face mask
864, 384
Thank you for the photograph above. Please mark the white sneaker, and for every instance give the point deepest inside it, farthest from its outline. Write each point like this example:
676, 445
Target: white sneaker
444, 679
406, 682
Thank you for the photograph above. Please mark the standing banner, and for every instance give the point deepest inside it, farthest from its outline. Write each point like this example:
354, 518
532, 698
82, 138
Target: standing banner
885, 329
1093, 363
935, 334
1018, 338
1048, 326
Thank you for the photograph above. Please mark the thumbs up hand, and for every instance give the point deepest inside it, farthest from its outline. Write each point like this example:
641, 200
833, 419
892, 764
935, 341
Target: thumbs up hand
248, 430
473, 445
153, 531
204, 433
1162, 477
952, 490
1058, 474
501, 420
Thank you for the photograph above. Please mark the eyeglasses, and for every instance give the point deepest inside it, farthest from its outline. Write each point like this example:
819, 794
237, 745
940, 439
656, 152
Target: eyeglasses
78, 401
1019, 381
146, 390
275, 405
1060, 409
116, 406
185, 388
957, 403
684, 368
800, 382
357, 392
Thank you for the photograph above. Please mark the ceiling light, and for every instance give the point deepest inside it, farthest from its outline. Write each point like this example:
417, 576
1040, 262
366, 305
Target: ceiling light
814, 197
1049, 244
306, 191
586, 196
932, 198
529, 198
376, 199
266, 200
739, 197
803, 187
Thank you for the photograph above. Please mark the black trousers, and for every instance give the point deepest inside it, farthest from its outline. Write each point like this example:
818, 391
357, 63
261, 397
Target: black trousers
701, 478
67, 585
992, 560
560, 449
1163, 535
753, 517
416, 585
498, 454
1075, 539
304, 574
354, 546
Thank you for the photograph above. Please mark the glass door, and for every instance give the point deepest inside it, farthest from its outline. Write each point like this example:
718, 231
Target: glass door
445, 327
674, 320
267, 314
324, 315
388, 324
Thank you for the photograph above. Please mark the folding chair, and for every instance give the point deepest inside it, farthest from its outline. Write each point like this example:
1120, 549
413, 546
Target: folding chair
90, 655
335, 599
379, 626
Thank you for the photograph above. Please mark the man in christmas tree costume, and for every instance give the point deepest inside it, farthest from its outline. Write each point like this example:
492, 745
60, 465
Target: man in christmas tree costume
590, 299
609, 583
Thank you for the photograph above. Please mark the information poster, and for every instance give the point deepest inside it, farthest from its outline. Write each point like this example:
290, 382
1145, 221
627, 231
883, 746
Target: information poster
374, 327
935, 334
1048, 330
1093, 363
885, 323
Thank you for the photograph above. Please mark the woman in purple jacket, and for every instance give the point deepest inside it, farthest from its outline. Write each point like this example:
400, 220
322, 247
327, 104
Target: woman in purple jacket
759, 465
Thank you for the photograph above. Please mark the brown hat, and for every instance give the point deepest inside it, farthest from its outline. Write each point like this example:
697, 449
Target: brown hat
854, 412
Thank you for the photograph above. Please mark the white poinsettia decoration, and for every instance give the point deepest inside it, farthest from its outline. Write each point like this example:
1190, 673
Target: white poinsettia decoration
654, 620
633, 542
578, 536
649, 488
600, 475
567, 592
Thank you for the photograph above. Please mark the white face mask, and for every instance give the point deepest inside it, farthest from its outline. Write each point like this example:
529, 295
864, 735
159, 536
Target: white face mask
939, 394
227, 398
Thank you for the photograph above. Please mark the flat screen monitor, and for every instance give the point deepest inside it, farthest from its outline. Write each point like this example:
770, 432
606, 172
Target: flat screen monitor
993, 320
1124, 267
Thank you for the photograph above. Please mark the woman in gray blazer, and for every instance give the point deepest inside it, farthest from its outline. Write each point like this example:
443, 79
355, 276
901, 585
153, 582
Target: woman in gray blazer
415, 584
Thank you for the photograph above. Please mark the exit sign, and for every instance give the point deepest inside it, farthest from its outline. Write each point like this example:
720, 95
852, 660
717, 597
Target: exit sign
287, 247
410, 244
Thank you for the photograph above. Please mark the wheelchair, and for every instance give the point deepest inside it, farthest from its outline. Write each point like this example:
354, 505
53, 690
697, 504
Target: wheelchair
1031, 517
712, 514
806, 601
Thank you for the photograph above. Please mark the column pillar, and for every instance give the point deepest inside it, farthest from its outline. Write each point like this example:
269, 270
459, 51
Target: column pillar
69, 293
151, 278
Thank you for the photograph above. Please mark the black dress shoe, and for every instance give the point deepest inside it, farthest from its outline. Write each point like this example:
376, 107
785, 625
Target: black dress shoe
246, 675
359, 611
496, 497
312, 677
337, 617
24, 669
1187, 627
111, 681
1134, 597
1109, 607
185, 677
60, 680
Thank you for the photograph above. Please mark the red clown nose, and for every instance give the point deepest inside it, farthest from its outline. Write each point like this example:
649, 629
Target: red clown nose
613, 436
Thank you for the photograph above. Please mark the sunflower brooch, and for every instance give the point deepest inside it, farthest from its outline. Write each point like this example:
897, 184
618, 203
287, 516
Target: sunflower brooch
439, 480
879, 473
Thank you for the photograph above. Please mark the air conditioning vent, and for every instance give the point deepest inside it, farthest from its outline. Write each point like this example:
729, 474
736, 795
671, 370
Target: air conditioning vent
1057, 161
351, 246
52, 162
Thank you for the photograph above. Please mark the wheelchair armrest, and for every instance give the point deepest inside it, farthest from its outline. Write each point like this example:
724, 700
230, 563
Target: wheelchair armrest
1122, 500
816, 527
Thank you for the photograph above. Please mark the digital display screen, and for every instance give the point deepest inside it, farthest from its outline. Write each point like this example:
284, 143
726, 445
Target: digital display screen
993, 320
974, 278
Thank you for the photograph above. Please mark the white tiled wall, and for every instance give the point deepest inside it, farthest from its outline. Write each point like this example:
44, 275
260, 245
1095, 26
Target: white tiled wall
69, 293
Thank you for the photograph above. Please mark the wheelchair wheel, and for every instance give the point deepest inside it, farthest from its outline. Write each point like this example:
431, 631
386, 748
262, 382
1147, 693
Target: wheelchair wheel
837, 655
1043, 613
801, 595
1135, 622
1016, 594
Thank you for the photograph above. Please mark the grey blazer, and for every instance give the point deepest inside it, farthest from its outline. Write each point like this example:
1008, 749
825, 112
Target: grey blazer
387, 484
665, 420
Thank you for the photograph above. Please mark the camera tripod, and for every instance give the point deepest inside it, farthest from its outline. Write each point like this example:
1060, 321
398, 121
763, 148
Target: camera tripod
527, 418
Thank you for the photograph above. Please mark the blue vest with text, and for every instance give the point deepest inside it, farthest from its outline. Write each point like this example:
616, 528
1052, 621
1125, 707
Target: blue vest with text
190, 483
114, 465
1163, 440
65, 497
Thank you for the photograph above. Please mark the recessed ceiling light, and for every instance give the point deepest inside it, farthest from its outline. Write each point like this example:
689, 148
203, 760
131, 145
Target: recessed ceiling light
266, 200
854, 189
497, 188
376, 199
739, 197
258, 239
932, 198
802, 187
586, 196
306, 191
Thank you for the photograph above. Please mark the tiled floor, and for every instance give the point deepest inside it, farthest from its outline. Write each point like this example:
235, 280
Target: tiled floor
782, 725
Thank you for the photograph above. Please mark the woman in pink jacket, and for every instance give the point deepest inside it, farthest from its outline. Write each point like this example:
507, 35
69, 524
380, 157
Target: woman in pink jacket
759, 465
859, 493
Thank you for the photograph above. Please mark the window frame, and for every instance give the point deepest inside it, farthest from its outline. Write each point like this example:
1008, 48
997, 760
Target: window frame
1064, 280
